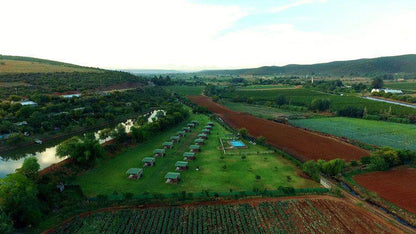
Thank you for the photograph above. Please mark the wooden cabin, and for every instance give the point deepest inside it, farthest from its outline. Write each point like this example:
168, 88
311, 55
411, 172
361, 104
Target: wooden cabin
181, 166
167, 145
189, 156
149, 161
195, 148
206, 131
175, 139
199, 141
134, 173
202, 136
210, 123
172, 177
159, 152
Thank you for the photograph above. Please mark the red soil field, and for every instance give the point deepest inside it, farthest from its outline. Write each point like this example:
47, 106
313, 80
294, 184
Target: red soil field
300, 143
396, 186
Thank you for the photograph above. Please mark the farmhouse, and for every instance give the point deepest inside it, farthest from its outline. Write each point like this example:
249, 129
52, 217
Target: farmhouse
175, 139
199, 141
149, 161
206, 131
180, 133
195, 148
167, 145
134, 173
186, 129
188, 156
202, 136
172, 177
159, 152
28, 103
181, 166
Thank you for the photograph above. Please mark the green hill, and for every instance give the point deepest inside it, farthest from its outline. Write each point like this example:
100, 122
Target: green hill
18, 64
360, 67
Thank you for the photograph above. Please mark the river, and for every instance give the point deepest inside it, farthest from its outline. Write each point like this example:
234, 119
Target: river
391, 102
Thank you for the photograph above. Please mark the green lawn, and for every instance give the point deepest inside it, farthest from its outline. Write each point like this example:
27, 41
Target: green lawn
109, 176
186, 90
401, 136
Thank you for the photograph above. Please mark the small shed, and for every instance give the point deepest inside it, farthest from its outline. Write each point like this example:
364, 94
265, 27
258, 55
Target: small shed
199, 141
172, 177
202, 136
134, 173
208, 127
206, 131
159, 152
188, 156
195, 148
194, 122
167, 145
181, 133
181, 166
149, 161
210, 123
191, 125
175, 139
186, 129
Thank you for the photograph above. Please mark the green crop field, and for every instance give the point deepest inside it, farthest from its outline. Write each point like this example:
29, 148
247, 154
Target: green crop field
262, 111
305, 96
238, 174
186, 90
265, 87
401, 136
409, 86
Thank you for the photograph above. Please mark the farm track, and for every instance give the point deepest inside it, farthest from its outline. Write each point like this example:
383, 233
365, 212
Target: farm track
303, 144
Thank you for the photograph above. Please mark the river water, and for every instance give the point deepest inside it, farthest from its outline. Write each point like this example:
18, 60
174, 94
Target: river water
46, 152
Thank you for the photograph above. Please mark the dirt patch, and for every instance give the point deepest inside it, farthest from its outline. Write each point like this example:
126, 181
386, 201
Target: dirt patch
396, 186
303, 144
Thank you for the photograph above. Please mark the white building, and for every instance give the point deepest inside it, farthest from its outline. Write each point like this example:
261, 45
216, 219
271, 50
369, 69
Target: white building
28, 103
392, 91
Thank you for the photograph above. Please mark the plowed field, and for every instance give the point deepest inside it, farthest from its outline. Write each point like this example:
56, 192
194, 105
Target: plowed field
298, 142
396, 186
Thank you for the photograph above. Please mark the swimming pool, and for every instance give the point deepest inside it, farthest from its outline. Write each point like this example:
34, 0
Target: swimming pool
237, 144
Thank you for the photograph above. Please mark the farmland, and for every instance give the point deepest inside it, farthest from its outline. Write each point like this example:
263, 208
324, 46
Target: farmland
300, 143
265, 87
303, 97
186, 89
396, 186
263, 111
238, 174
406, 86
304, 215
16, 66
401, 136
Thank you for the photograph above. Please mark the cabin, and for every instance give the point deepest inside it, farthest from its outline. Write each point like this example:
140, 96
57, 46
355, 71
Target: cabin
199, 141
181, 166
181, 133
167, 145
189, 156
203, 136
149, 161
191, 125
159, 152
134, 173
195, 148
208, 127
210, 124
172, 177
194, 122
175, 139
186, 129
206, 131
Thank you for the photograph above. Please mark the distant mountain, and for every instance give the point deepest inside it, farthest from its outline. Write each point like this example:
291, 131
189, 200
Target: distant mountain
360, 67
18, 64
151, 71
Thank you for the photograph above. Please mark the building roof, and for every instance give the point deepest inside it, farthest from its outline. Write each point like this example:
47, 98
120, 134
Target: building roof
28, 103
167, 143
206, 130
210, 123
199, 140
202, 135
187, 128
148, 159
174, 137
189, 154
191, 124
194, 121
172, 175
133, 171
71, 95
159, 151
194, 147
208, 126
181, 164
180, 132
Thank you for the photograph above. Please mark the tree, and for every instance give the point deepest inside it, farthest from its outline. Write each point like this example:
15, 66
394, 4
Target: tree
15, 139
311, 168
243, 132
281, 100
30, 168
320, 104
19, 199
261, 140
119, 134
138, 134
377, 83
84, 150
378, 164
6, 224
389, 155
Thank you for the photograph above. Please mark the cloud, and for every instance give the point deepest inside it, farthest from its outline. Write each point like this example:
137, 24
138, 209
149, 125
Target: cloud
296, 4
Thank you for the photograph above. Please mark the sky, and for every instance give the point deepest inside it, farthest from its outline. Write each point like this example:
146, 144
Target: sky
206, 34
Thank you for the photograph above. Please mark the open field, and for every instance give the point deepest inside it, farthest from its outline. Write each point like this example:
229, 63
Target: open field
16, 66
303, 215
396, 186
186, 89
262, 111
400, 136
239, 174
265, 87
300, 143
304, 97
406, 86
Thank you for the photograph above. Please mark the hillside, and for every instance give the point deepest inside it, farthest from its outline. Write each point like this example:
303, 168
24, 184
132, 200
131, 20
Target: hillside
360, 67
17, 64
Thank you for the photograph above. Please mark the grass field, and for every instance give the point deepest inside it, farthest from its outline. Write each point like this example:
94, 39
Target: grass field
305, 96
401, 136
409, 86
262, 111
15, 66
186, 90
265, 87
239, 174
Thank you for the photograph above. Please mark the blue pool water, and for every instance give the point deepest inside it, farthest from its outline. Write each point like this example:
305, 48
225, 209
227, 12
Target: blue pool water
237, 144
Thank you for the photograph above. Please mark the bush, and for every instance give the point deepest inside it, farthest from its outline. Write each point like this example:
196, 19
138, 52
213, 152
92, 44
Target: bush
311, 168
351, 111
128, 196
320, 104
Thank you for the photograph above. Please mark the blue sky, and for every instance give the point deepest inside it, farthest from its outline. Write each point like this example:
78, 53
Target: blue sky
209, 34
